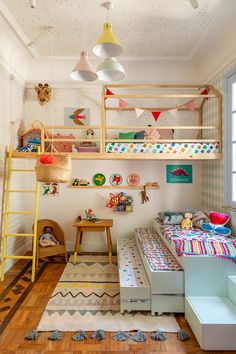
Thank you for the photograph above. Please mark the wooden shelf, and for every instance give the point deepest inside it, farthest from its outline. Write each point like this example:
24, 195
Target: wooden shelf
127, 156
139, 187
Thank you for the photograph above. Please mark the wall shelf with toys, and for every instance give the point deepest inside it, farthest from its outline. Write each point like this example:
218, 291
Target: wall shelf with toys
116, 187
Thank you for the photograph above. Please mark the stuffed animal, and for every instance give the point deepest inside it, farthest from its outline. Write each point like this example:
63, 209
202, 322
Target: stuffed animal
187, 224
43, 93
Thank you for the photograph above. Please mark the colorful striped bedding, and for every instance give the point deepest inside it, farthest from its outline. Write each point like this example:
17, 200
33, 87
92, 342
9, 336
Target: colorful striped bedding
166, 148
199, 242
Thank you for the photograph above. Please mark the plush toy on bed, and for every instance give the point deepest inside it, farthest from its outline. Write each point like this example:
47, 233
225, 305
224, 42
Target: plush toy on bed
187, 224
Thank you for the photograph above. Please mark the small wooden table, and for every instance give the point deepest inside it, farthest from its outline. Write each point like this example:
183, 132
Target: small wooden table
89, 226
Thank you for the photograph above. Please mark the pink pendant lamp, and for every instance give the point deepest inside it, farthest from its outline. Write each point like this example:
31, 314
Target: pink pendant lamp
83, 71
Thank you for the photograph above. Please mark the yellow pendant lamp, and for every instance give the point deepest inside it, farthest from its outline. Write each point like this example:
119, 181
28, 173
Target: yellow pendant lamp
107, 45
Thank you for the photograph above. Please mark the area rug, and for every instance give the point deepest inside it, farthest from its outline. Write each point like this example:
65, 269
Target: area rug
87, 298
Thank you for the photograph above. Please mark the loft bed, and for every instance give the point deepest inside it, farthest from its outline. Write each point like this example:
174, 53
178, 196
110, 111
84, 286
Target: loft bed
186, 123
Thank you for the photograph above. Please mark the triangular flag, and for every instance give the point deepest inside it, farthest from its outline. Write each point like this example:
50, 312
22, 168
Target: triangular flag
156, 115
108, 92
190, 105
122, 103
173, 112
205, 92
138, 112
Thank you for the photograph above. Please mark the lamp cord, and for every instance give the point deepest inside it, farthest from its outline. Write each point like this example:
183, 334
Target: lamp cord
52, 90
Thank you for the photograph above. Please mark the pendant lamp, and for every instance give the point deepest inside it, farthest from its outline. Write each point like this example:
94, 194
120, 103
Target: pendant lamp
108, 45
83, 71
110, 70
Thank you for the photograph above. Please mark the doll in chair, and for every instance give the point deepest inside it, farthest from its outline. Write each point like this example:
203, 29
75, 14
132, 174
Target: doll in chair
47, 238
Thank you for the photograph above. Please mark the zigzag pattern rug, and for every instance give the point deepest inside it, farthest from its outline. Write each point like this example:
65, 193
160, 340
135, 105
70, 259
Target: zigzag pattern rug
87, 298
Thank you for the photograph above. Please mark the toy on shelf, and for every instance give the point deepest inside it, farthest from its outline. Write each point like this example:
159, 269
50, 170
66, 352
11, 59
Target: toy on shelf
217, 222
144, 196
99, 179
152, 184
30, 140
90, 216
116, 179
80, 182
43, 93
187, 224
133, 179
121, 202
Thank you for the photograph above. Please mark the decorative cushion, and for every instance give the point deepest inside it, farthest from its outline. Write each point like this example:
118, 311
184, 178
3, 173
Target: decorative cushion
171, 217
129, 135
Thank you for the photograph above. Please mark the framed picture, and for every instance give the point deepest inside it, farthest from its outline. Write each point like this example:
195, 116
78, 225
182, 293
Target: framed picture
50, 189
179, 174
76, 116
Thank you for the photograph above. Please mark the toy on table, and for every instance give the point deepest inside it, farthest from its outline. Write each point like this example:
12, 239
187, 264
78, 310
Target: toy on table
187, 224
217, 222
90, 216
47, 238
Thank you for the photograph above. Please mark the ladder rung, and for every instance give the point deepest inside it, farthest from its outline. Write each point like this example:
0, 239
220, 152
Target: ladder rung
22, 190
19, 257
19, 234
21, 212
16, 170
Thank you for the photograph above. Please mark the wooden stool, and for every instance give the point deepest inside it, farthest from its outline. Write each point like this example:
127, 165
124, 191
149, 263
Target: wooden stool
84, 225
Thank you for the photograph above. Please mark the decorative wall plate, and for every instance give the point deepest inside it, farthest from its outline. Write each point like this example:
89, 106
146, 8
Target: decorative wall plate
116, 179
133, 179
99, 179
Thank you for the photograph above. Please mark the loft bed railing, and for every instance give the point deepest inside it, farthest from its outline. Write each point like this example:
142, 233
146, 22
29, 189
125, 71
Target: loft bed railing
109, 145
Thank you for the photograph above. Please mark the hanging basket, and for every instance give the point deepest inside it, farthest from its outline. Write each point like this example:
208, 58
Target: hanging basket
59, 171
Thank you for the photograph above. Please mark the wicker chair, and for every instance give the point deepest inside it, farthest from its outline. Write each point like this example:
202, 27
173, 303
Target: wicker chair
51, 250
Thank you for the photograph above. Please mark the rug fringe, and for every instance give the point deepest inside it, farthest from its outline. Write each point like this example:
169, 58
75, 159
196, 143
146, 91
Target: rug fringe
32, 335
55, 336
159, 336
138, 337
79, 336
99, 334
120, 336
182, 335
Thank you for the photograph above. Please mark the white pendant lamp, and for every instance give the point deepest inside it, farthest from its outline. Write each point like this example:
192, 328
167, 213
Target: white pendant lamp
83, 71
110, 70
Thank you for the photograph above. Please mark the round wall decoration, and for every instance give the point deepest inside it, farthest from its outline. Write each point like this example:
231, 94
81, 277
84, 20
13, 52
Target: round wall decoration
133, 179
99, 179
116, 179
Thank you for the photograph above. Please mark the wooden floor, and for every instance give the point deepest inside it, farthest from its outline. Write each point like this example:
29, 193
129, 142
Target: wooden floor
28, 314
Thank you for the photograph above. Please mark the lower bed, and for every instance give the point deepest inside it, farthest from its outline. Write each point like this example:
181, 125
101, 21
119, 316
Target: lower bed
171, 148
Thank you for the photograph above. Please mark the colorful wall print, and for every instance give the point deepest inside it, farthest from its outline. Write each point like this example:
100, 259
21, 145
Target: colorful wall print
50, 189
179, 174
76, 116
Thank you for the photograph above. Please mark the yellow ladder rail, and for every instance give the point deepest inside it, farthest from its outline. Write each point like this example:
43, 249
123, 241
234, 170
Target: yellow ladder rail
8, 212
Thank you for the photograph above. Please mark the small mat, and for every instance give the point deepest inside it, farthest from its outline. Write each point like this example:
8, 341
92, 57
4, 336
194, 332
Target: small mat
87, 298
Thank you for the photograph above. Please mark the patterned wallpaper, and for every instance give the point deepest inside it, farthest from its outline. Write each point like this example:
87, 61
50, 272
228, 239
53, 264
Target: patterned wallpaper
213, 171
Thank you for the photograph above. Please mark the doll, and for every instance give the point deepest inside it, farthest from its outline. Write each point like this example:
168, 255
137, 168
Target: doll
47, 238
187, 224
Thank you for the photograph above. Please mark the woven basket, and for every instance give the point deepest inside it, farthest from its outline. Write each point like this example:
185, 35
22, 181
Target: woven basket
59, 172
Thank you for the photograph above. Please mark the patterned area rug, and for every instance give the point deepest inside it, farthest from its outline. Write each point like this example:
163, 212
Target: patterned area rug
87, 298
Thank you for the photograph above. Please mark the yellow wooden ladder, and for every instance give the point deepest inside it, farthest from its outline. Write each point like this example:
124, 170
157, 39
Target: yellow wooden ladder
9, 191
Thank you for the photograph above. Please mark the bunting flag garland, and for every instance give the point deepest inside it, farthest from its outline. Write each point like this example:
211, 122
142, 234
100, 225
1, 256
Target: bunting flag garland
122, 103
173, 112
190, 105
156, 115
109, 92
205, 92
138, 112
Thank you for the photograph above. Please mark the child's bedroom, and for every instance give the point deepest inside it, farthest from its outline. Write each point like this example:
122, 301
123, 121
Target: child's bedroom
118, 176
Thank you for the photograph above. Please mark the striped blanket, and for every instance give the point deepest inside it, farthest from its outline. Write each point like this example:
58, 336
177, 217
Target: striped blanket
199, 242
220, 249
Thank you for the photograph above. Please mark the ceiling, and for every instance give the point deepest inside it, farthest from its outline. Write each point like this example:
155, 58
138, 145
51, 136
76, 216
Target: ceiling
145, 28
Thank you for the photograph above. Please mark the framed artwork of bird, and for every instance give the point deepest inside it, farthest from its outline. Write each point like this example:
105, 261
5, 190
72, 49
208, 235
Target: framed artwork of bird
74, 116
